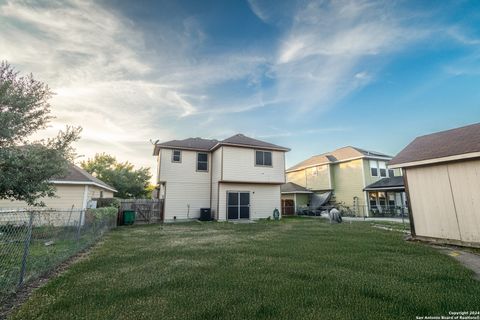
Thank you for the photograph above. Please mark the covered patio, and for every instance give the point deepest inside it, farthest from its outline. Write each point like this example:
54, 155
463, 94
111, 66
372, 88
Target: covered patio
293, 197
387, 197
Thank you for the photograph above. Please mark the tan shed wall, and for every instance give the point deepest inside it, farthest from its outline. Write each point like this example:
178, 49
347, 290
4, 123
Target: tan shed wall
445, 200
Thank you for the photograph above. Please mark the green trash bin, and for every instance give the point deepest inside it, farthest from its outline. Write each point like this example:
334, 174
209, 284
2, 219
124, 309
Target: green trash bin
128, 217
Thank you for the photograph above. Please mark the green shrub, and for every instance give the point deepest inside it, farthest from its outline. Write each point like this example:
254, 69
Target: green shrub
108, 202
102, 213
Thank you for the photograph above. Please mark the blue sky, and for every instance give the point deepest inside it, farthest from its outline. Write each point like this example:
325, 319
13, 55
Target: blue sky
309, 75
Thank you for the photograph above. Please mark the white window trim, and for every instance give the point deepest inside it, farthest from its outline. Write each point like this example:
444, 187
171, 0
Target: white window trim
196, 164
263, 165
374, 167
173, 155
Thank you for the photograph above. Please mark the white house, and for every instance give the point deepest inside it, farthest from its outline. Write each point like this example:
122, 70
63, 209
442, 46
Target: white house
237, 178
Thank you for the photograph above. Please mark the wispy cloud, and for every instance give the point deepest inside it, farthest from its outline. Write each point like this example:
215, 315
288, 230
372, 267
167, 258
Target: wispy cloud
322, 57
125, 82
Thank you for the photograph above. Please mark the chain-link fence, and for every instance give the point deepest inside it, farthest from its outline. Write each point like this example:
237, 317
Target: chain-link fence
33, 242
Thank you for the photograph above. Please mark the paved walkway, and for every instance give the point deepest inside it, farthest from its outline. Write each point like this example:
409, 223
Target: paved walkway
378, 219
468, 259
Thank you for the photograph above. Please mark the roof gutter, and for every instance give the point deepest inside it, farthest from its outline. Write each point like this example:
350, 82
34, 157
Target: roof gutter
384, 188
436, 160
83, 183
339, 161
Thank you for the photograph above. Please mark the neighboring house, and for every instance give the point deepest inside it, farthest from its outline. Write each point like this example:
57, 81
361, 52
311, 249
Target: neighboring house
343, 173
237, 178
293, 197
75, 190
442, 179
387, 196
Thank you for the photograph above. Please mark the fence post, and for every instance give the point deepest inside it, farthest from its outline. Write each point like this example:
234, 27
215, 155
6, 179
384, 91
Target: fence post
79, 225
26, 248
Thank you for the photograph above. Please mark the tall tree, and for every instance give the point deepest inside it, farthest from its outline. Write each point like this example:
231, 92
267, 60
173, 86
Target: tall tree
26, 167
129, 182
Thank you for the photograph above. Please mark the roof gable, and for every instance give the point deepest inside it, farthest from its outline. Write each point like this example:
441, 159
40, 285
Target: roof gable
80, 176
199, 144
338, 155
291, 187
442, 144
387, 183
242, 140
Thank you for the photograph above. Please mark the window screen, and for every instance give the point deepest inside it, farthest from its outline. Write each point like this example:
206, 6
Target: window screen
177, 156
202, 162
263, 158
374, 168
383, 168
391, 173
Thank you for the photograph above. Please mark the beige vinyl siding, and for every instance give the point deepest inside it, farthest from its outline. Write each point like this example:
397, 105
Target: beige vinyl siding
187, 190
445, 199
94, 192
263, 199
318, 178
369, 179
239, 165
348, 182
216, 176
298, 177
66, 196
313, 178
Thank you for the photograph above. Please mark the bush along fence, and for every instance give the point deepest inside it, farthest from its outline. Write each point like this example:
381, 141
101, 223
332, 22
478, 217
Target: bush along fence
33, 242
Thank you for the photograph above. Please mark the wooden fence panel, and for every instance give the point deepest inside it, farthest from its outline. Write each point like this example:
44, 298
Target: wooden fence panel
146, 210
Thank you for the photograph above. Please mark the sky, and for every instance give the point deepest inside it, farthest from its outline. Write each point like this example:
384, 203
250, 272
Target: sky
309, 75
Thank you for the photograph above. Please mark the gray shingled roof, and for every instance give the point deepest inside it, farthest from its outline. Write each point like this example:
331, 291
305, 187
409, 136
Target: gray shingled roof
387, 183
291, 187
441, 144
190, 143
337, 155
77, 174
200, 144
240, 139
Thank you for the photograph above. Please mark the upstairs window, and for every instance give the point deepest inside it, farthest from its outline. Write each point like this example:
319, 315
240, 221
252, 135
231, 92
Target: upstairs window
383, 168
263, 158
202, 161
177, 156
373, 168
391, 173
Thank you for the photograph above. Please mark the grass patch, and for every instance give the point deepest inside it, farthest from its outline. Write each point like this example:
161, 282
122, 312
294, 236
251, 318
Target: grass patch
49, 246
293, 269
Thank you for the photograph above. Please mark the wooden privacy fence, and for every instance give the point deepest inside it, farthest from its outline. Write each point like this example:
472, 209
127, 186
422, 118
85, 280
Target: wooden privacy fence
146, 210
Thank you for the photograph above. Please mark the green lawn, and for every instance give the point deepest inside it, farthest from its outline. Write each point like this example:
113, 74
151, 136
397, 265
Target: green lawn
294, 269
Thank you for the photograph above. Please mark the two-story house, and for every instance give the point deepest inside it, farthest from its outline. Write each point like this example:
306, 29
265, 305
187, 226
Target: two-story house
237, 178
351, 176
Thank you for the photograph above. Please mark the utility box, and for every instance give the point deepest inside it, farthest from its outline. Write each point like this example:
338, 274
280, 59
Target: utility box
205, 214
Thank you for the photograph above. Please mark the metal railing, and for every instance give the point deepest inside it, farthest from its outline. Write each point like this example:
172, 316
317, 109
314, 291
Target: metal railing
384, 211
33, 242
